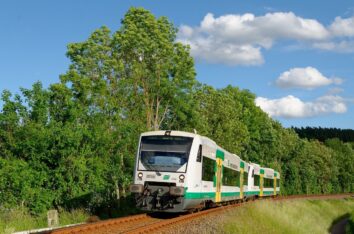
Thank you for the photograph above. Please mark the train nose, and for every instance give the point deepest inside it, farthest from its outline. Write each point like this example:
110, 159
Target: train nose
176, 191
136, 188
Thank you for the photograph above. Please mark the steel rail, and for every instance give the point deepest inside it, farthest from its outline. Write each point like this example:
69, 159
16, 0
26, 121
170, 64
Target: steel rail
100, 224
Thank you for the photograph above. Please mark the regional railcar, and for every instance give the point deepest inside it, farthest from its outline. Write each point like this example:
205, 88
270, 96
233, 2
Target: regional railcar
178, 171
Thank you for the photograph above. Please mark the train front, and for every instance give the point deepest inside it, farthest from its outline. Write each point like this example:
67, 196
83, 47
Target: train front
160, 170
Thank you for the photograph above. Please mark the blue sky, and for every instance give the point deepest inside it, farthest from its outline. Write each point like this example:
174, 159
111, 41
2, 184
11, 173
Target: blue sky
297, 57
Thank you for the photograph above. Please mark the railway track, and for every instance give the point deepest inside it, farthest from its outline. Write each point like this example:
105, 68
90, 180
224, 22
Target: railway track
147, 223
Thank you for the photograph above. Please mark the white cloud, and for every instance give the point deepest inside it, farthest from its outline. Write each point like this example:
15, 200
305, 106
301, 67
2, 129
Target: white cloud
262, 30
216, 51
344, 46
293, 107
308, 77
335, 90
236, 39
342, 27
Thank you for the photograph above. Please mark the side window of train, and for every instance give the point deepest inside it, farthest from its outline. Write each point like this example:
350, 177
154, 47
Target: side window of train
200, 153
268, 183
256, 180
252, 173
208, 169
230, 177
245, 178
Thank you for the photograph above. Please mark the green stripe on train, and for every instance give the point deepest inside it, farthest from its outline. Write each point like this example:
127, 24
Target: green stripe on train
209, 195
251, 193
268, 192
199, 195
191, 195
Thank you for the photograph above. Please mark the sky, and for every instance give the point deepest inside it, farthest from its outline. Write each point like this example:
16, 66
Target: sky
297, 57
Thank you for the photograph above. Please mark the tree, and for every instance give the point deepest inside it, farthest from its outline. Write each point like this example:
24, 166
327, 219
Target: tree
220, 114
161, 70
344, 159
138, 69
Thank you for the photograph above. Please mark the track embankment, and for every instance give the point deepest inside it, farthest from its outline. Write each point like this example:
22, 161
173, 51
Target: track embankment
149, 223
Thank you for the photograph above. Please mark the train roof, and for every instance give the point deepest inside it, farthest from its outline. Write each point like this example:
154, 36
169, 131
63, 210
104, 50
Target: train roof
255, 164
171, 132
268, 169
208, 141
205, 139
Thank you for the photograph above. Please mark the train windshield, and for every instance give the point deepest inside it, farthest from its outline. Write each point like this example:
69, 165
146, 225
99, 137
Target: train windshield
164, 153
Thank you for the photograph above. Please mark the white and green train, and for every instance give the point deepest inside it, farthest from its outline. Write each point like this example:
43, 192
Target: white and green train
179, 171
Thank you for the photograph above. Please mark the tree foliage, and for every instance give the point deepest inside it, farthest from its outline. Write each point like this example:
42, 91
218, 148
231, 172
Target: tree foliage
322, 134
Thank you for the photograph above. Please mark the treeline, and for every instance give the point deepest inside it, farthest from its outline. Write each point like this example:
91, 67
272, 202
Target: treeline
73, 144
322, 134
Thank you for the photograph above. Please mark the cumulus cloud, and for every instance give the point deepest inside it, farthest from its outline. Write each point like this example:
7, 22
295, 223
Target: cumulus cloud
342, 27
236, 39
307, 77
293, 107
217, 51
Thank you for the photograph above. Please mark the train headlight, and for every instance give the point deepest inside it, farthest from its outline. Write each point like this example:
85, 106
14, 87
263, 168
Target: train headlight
181, 178
140, 175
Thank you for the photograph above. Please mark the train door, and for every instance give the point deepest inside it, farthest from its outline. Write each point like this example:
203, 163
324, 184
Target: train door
200, 166
275, 184
218, 174
242, 166
261, 183
250, 178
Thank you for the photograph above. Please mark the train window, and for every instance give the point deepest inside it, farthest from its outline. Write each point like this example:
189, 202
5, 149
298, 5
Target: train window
208, 169
231, 177
278, 180
256, 180
245, 178
199, 155
268, 183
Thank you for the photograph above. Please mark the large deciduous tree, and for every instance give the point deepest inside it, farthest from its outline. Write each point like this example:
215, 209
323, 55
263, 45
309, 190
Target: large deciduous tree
138, 69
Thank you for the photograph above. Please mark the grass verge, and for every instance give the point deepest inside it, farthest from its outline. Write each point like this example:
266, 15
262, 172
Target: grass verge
20, 219
295, 216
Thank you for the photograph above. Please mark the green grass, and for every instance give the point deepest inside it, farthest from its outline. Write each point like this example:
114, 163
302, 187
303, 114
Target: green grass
296, 216
19, 219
